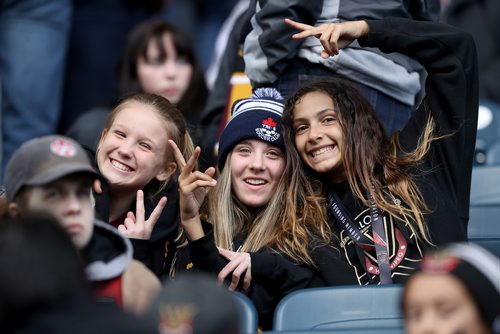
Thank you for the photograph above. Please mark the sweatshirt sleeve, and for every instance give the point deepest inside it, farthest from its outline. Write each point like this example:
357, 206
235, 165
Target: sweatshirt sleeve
205, 255
268, 269
276, 271
269, 46
449, 57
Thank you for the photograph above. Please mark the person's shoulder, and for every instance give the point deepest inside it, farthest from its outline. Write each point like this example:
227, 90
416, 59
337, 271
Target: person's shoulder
140, 286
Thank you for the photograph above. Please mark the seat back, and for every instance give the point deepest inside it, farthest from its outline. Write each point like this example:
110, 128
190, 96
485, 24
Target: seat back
484, 221
248, 314
341, 308
488, 133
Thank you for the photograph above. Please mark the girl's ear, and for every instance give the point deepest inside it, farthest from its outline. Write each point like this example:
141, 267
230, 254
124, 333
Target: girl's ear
167, 172
14, 209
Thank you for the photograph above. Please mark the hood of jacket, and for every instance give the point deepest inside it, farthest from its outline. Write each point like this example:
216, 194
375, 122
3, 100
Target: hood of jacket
108, 253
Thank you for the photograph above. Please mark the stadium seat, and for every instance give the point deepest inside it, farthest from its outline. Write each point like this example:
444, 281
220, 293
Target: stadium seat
248, 314
484, 222
488, 132
341, 309
493, 154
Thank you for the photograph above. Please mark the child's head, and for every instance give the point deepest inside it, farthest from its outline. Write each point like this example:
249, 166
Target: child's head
251, 148
159, 58
134, 150
333, 128
195, 303
457, 290
41, 268
53, 174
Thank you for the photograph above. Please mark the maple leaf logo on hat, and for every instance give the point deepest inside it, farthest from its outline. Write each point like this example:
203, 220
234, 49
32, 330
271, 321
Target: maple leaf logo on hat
268, 130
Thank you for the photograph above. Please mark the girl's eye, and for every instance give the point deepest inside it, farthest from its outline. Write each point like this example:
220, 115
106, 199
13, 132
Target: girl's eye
300, 128
154, 61
182, 60
274, 154
244, 150
145, 146
329, 119
447, 310
119, 134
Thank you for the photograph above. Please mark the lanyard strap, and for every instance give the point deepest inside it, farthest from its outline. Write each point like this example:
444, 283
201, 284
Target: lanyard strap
359, 239
380, 241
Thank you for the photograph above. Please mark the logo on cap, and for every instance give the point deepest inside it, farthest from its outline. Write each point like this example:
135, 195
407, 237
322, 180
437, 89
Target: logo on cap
63, 148
268, 130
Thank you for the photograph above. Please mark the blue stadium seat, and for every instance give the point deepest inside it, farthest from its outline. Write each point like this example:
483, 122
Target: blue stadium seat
493, 154
248, 314
341, 309
363, 330
484, 222
488, 132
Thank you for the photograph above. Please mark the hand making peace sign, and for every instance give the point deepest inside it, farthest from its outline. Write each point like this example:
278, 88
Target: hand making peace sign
137, 226
333, 36
193, 187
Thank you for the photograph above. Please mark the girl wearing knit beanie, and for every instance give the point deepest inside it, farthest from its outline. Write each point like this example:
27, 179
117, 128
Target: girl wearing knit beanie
255, 238
457, 290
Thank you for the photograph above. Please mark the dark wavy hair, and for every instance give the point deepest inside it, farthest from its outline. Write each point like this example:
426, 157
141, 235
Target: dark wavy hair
373, 161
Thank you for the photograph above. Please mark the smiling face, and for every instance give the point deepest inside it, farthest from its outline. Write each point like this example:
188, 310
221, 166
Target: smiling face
69, 201
133, 150
318, 135
169, 77
256, 168
440, 303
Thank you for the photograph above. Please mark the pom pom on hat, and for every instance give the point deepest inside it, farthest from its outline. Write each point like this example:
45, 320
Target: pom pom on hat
258, 117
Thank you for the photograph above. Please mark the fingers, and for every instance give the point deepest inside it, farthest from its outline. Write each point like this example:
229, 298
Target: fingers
238, 266
129, 222
247, 279
189, 166
122, 229
97, 186
139, 207
226, 253
179, 158
307, 30
325, 39
194, 181
231, 267
210, 171
298, 25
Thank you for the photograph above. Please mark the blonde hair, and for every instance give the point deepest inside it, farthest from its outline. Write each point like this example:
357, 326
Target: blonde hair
175, 127
286, 226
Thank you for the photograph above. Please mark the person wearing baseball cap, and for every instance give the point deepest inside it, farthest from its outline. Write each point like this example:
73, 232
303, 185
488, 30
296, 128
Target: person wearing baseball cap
53, 175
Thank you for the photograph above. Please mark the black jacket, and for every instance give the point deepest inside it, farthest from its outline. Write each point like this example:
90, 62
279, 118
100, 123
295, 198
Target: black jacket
449, 56
273, 275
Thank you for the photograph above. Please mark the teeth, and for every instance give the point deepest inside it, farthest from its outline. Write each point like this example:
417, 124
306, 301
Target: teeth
255, 181
322, 150
120, 166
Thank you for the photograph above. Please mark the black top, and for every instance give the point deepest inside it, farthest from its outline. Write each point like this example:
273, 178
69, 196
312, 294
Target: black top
273, 275
153, 253
443, 178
